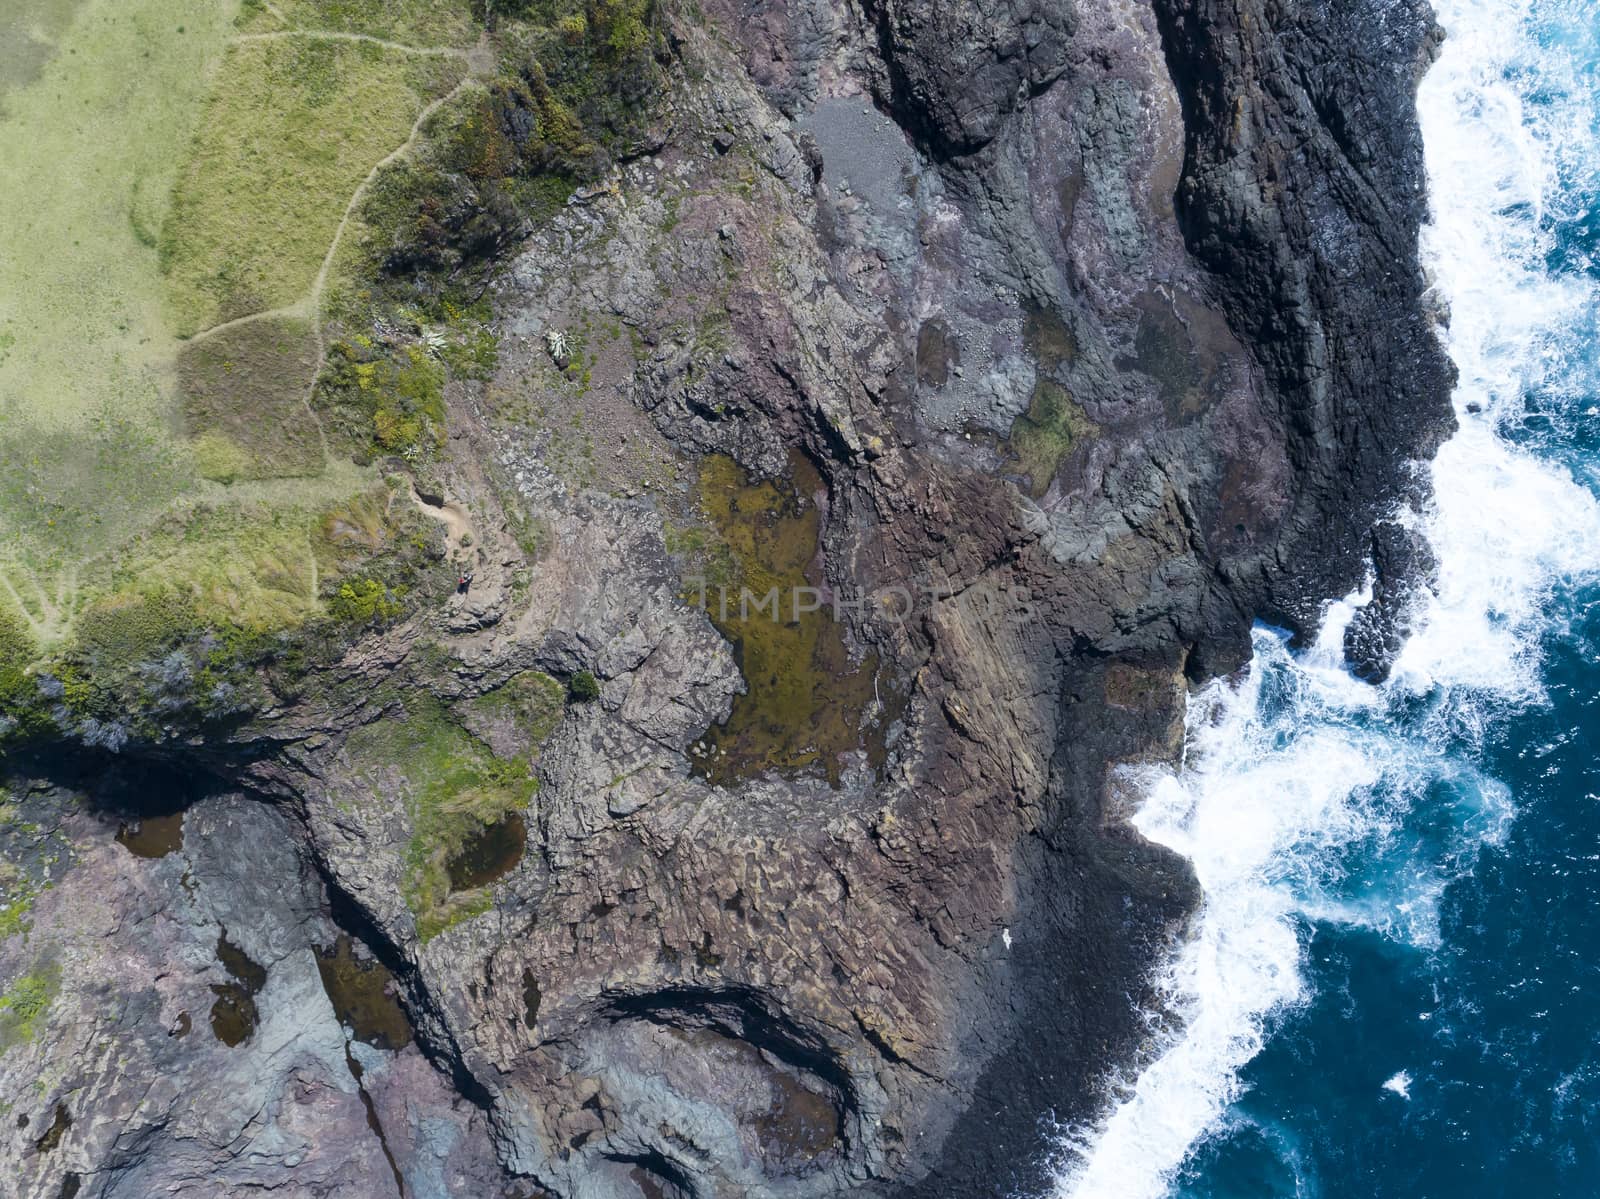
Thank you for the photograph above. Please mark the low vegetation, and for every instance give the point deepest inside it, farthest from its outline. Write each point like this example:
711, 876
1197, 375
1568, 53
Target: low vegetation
1043, 436
244, 401
25, 1004
575, 89
515, 718
384, 399
584, 688
293, 127
455, 788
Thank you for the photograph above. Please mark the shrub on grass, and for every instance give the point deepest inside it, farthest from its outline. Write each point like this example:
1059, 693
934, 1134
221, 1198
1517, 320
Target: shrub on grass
362, 602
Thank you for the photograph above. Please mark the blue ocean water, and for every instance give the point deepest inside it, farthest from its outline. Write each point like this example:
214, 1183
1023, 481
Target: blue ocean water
1394, 986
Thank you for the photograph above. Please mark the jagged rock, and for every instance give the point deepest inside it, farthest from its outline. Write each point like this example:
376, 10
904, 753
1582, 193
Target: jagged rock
1403, 567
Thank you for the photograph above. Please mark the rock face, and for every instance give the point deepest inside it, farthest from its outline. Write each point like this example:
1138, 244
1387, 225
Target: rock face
1102, 324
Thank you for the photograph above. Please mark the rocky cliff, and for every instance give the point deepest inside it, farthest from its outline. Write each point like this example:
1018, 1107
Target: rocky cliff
1043, 346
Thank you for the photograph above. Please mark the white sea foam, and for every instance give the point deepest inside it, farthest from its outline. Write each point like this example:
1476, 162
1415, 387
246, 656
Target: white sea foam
1298, 772
1505, 523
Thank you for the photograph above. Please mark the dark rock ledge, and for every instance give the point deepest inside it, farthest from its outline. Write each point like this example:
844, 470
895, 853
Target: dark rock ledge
1102, 319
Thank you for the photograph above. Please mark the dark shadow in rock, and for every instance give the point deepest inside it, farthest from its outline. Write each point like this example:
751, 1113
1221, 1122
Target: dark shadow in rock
374, 1125
652, 1177
530, 999
743, 1015
353, 919
57, 1130
146, 798
784, 1086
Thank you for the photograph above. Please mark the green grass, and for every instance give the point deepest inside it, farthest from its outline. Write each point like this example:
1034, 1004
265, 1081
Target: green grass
256, 569
413, 22
527, 705
160, 494
17, 889
454, 789
29, 33
67, 494
244, 401
291, 130
93, 383
25, 1004
249, 568
91, 138
88, 152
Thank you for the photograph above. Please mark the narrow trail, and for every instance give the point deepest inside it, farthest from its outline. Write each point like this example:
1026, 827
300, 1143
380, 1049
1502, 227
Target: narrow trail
299, 310
276, 12
309, 306
319, 286
49, 616
324, 35
321, 283
316, 575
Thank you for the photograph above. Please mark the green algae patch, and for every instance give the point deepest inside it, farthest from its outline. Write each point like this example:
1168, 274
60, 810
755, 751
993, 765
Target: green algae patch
244, 401
1054, 423
292, 129
806, 698
25, 1005
455, 791
1043, 436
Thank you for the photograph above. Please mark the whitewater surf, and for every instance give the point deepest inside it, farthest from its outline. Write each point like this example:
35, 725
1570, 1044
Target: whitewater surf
1328, 820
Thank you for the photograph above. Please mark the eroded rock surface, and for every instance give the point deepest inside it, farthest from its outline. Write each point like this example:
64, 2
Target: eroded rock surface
1101, 324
